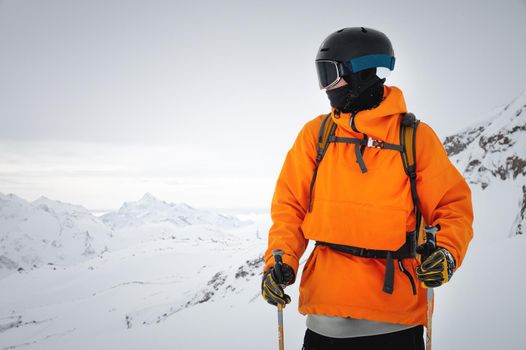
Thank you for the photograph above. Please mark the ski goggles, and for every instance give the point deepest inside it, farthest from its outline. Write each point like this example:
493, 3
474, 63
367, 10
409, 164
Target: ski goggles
331, 72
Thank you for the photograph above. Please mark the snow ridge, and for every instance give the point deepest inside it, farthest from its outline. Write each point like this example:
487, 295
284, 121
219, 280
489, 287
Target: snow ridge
48, 232
492, 149
150, 210
494, 152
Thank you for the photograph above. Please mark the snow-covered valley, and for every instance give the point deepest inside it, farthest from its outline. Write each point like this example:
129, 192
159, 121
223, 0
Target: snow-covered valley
168, 276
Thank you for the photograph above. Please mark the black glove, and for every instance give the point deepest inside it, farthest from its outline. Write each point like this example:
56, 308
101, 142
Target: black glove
436, 268
273, 282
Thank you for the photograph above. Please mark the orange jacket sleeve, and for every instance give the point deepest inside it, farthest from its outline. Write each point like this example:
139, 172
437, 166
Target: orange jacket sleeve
445, 197
289, 204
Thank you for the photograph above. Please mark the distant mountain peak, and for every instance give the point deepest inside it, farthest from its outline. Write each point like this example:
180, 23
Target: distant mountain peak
59, 206
147, 197
149, 210
11, 196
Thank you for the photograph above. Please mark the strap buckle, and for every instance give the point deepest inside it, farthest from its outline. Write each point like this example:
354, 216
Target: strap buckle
375, 143
361, 251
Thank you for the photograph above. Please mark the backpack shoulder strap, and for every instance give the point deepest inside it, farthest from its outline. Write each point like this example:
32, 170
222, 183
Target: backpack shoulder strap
327, 129
408, 126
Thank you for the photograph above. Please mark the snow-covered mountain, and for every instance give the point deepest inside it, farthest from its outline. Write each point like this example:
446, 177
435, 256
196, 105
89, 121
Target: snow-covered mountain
51, 232
492, 157
48, 232
494, 149
150, 210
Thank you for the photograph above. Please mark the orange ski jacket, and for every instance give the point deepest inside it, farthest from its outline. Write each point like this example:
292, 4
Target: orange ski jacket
372, 210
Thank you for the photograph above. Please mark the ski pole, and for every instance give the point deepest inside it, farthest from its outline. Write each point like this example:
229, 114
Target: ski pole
280, 327
431, 232
278, 253
430, 297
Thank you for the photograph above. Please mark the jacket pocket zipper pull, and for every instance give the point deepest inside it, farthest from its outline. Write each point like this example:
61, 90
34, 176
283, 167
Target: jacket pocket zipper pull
401, 265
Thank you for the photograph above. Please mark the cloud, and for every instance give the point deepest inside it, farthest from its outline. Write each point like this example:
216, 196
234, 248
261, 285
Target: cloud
104, 175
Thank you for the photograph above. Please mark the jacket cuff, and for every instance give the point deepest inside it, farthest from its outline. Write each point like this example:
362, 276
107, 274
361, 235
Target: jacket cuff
292, 262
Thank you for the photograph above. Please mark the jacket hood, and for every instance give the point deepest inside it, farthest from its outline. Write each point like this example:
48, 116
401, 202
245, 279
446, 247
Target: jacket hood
380, 122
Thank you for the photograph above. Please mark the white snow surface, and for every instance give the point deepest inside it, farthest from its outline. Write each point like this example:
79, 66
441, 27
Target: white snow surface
167, 276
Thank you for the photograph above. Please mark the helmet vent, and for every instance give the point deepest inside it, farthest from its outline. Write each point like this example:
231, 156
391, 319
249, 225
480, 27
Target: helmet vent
341, 30
324, 49
364, 30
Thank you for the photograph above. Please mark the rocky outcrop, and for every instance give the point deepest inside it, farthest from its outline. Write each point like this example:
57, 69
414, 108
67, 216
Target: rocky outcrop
492, 150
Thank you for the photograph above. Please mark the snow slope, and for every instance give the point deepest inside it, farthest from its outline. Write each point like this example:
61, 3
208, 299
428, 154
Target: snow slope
121, 299
492, 157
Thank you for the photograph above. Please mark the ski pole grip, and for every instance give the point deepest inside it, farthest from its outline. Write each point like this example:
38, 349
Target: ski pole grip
431, 236
278, 254
278, 262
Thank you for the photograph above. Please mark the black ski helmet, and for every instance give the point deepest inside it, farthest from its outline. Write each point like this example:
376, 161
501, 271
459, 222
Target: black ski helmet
352, 50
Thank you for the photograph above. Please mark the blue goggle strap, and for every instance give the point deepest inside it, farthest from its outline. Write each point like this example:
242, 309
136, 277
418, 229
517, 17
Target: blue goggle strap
370, 61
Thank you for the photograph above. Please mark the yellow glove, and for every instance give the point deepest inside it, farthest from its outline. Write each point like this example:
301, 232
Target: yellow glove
273, 282
436, 269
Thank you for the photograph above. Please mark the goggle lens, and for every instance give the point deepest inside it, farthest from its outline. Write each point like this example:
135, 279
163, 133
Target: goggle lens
382, 72
328, 73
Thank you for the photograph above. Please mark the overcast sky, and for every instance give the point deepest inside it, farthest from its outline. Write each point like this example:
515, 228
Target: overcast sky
198, 101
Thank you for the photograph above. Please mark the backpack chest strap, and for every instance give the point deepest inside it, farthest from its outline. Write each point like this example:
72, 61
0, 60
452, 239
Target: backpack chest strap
364, 142
367, 141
